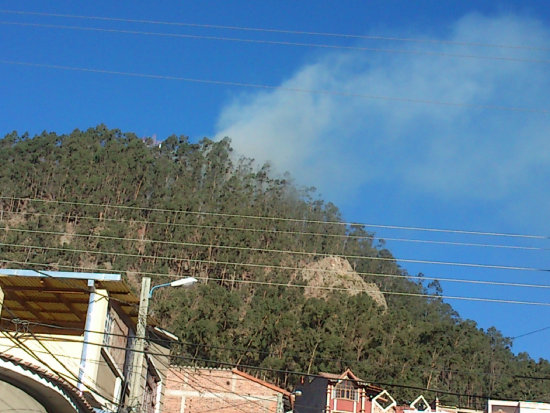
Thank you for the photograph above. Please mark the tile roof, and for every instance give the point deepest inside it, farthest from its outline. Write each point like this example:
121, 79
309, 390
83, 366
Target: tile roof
67, 387
260, 381
349, 374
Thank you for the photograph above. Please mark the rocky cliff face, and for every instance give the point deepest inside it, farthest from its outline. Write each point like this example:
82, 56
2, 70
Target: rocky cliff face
336, 273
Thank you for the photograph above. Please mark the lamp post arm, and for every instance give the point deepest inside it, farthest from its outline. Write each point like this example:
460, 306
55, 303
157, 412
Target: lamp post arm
157, 286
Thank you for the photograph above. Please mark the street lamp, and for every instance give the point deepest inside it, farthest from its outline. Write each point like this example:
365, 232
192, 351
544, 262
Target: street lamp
182, 282
138, 374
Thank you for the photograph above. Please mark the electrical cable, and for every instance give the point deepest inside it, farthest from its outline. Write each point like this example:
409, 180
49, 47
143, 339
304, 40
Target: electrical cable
322, 92
201, 391
47, 351
190, 377
74, 376
83, 289
310, 375
376, 258
70, 374
268, 250
239, 350
439, 278
207, 346
287, 285
34, 355
531, 332
290, 372
196, 244
281, 219
105, 363
416, 368
274, 30
373, 274
156, 340
274, 231
277, 42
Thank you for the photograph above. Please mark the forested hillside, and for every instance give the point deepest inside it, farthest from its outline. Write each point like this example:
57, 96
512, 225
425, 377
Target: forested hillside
108, 201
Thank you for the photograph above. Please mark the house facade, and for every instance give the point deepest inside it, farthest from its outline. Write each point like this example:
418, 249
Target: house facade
335, 393
78, 328
504, 406
195, 390
25, 387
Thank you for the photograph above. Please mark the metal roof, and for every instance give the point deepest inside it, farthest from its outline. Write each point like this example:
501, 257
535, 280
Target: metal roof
61, 274
58, 299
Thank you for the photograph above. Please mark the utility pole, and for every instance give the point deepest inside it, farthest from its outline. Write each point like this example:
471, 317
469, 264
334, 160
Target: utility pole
139, 371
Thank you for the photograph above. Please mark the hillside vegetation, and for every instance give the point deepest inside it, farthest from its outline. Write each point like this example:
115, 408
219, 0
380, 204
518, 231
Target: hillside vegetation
108, 201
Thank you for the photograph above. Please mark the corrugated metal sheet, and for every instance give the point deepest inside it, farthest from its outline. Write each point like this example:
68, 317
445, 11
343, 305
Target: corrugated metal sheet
59, 301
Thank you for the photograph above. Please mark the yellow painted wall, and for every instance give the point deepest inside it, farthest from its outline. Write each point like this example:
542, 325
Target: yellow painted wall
67, 349
61, 354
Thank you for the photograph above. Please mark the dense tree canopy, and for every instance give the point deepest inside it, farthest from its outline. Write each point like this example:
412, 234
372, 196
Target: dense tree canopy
106, 200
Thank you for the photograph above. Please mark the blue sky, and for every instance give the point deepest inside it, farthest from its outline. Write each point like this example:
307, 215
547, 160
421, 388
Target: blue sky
458, 136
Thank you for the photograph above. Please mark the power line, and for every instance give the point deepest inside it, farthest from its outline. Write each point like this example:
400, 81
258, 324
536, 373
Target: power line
344, 289
282, 219
270, 250
323, 92
533, 378
290, 372
531, 332
215, 394
18, 344
239, 350
200, 389
106, 363
361, 273
83, 289
279, 231
70, 374
32, 352
236, 365
278, 43
375, 274
281, 31
384, 259
54, 356
397, 385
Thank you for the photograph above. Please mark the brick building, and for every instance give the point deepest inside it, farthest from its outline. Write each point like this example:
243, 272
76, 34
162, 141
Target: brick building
195, 390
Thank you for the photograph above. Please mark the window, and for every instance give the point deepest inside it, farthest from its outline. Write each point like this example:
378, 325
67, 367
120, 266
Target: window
345, 390
115, 338
108, 328
152, 384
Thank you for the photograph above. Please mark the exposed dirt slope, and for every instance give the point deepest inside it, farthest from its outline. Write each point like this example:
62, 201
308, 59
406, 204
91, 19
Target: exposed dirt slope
336, 272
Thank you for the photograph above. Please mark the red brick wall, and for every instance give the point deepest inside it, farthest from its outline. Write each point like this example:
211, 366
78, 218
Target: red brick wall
210, 390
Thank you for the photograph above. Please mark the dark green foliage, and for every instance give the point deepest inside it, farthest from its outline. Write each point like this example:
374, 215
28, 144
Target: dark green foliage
186, 206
